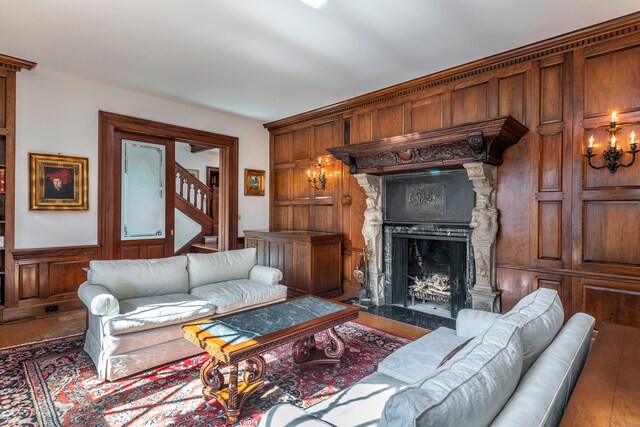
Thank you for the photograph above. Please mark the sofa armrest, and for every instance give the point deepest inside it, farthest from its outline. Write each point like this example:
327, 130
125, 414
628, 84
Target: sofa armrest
473, 322
98, 300
287, 415
266, 275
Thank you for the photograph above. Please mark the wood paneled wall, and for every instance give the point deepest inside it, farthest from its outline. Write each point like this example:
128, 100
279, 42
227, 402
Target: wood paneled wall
563, 225
46, 277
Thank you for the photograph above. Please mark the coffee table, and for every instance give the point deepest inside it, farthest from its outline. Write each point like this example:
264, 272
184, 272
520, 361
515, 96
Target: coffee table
244, 336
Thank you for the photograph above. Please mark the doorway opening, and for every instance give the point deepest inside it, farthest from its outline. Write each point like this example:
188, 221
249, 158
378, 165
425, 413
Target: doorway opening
197, 198
112, 128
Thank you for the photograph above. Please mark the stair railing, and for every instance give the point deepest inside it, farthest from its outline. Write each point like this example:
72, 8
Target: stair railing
193, 190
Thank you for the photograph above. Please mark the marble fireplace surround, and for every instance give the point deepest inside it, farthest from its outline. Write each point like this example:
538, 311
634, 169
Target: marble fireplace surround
478, 147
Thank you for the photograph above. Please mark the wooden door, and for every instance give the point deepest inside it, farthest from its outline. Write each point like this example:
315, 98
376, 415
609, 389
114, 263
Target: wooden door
156, 241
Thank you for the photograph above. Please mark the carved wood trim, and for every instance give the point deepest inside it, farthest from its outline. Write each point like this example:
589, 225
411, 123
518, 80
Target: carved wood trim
16, 64
483, 141
55, 252
612, 29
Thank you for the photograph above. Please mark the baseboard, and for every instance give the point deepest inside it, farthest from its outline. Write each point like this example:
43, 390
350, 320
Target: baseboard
40, 310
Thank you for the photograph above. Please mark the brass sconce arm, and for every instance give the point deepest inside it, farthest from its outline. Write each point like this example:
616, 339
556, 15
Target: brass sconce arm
319, 179
613, 155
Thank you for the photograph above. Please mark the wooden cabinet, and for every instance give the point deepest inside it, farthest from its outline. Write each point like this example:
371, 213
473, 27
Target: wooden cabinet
309, 260
8, 68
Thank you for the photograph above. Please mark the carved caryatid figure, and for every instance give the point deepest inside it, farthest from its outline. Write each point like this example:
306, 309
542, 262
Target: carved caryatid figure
484, 221
372, 226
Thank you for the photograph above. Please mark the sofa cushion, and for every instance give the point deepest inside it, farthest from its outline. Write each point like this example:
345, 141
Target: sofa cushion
133, 341
469, 390
452, 353
139, 314
289, 415
359, 405
236, 294
539, 316
543, 393
127, 279
418, 359
220, 266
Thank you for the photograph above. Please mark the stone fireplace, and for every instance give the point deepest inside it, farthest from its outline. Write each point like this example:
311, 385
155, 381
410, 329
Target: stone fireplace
428, 256
430, 225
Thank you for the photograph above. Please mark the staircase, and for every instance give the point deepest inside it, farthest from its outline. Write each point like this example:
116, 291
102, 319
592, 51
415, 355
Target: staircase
194, 200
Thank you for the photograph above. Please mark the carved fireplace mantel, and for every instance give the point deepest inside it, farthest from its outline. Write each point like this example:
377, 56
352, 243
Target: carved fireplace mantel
484, 141
478, 147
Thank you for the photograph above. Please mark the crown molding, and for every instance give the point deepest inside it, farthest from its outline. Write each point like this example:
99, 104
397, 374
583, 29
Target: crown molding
619, 27
15, 64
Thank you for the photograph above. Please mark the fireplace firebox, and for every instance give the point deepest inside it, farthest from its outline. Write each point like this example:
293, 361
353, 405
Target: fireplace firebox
430, 269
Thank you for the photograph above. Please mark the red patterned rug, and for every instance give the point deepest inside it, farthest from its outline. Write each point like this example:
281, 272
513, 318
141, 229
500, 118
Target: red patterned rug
54, 383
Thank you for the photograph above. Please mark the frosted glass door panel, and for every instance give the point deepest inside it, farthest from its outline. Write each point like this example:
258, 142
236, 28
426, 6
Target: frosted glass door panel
143, 190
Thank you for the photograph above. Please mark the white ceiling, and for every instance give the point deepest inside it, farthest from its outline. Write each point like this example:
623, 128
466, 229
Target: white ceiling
269, 59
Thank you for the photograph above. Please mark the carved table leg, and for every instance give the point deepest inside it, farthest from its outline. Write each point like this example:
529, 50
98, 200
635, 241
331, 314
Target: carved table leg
306, 353
302, 349
255, 370
335, 347
232, 407
233, 396
211, 378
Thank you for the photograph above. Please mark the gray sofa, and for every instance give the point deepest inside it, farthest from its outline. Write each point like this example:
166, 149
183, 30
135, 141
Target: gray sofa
136, 307
519, 369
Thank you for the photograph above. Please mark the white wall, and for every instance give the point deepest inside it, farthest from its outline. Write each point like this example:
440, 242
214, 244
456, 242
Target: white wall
186, 229
199, 160
59, 114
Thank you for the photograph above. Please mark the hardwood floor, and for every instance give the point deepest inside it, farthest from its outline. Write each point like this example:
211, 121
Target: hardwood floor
73, 322
42, 328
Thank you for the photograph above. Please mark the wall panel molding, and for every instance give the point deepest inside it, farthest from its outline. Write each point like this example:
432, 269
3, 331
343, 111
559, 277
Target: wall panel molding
558, 221
47, 277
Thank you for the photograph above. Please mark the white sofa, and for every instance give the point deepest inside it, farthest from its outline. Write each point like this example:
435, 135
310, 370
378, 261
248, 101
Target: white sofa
518, 370
136, 307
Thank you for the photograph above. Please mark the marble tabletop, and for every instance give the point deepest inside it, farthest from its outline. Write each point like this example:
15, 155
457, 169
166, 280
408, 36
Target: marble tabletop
248, 325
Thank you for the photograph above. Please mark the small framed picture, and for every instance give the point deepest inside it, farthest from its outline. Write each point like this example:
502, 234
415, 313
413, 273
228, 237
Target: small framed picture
58, 182
194, 172
254, 182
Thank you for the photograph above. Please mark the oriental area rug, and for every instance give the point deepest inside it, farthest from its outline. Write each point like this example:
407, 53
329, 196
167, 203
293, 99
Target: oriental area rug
54, 383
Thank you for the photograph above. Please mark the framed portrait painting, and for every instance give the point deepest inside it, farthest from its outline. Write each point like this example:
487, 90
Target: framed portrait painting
58, 182
254, 182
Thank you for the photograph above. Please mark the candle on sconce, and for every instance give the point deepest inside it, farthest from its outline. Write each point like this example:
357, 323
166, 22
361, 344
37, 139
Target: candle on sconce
613, 141
308, 173
633, 138
614, 117
591, 142
314, 174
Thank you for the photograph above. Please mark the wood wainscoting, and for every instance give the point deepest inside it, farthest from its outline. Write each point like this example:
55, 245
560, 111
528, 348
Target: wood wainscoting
563, 224
47, 280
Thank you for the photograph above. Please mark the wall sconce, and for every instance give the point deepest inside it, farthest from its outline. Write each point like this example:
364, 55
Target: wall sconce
613, 154
321, 176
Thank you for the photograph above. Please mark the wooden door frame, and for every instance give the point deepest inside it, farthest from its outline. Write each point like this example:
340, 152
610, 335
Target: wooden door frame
110, 123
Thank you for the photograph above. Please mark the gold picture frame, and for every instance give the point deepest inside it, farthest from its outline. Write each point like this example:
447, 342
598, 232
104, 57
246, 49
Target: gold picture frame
194, 172
58, 183
254, 182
